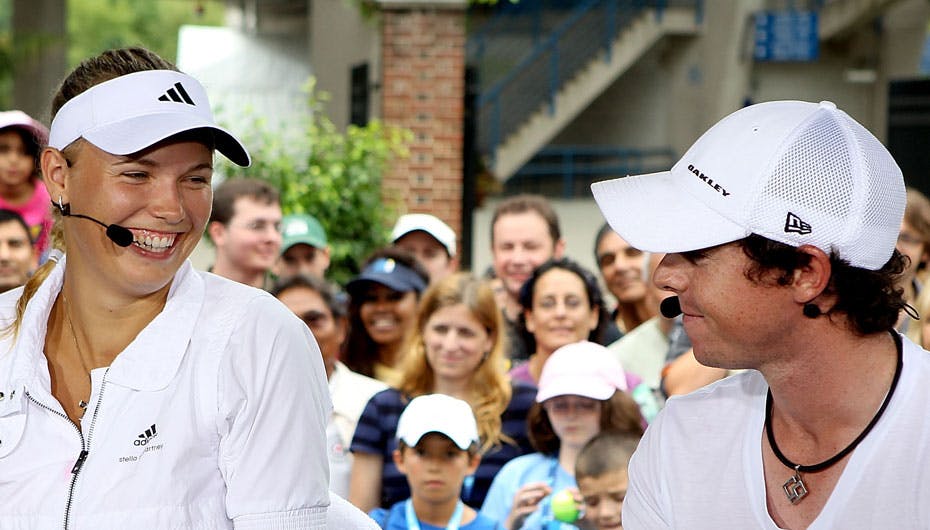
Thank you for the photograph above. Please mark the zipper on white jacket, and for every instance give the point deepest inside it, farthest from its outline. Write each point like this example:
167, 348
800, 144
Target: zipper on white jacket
85, 443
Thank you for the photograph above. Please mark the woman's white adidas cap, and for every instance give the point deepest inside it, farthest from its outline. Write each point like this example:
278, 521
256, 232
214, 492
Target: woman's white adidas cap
132, 112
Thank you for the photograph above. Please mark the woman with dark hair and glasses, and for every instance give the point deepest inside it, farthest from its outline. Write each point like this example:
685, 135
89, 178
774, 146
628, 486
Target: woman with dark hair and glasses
562, 304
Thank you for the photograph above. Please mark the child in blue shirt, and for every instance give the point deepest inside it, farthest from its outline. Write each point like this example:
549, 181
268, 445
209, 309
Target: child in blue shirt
437, 448
602, 475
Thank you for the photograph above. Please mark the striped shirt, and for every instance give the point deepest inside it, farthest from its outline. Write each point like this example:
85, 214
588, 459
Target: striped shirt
376, 430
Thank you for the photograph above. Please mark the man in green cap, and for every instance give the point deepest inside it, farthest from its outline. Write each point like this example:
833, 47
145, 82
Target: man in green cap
304, 249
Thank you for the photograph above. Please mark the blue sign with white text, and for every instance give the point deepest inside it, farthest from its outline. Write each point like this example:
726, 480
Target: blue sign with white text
786, 36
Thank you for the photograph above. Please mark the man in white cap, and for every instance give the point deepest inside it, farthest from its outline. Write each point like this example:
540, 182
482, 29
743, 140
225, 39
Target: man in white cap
430, 240
780, 225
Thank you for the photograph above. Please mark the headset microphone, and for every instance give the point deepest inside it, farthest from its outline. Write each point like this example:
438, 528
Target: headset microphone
117, 234
670, 307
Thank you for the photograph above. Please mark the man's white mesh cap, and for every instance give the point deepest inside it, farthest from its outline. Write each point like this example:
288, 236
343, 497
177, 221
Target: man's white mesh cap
791, 171
132, 112
438, 413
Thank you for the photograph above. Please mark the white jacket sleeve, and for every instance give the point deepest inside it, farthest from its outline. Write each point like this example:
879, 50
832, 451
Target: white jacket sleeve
273, 404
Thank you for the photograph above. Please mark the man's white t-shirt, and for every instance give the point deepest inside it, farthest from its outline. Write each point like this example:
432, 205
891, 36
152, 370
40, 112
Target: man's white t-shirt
699, 465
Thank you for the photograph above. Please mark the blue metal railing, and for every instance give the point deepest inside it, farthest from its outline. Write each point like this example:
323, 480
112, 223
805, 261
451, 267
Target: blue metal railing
569, 170
514, 31
588, 29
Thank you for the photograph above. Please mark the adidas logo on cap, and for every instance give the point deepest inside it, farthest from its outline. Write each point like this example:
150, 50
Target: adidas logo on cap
177, 94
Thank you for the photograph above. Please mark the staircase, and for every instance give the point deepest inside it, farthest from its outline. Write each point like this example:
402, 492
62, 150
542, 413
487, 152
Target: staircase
838, 17
588, 48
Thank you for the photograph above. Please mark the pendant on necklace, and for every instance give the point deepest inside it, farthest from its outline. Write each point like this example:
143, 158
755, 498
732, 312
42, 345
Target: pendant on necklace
794, 487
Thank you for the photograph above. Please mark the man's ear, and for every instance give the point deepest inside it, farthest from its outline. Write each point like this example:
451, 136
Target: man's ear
55, 171
325, 256
216, 231
811, 280
558, 249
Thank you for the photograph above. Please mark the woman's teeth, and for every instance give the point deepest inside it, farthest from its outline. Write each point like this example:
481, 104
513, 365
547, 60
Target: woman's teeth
155, 243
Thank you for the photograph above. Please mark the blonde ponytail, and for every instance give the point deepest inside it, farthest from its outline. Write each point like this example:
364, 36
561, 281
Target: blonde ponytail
39, 276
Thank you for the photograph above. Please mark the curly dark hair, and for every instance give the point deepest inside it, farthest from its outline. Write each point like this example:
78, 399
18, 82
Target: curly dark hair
871, 300
593, 290
619, 413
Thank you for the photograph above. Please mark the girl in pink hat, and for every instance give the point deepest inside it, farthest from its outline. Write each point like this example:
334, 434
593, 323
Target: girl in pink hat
21, 188
582, 391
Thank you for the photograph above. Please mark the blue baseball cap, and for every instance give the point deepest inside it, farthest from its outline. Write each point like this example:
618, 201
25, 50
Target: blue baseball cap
390, 273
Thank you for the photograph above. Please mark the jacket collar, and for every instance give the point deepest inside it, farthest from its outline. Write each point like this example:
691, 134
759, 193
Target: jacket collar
148, 363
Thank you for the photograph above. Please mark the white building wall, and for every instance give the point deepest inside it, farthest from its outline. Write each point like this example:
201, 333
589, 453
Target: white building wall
341, 38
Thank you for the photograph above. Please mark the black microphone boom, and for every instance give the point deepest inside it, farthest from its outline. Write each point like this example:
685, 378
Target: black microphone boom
117, 234
670, 307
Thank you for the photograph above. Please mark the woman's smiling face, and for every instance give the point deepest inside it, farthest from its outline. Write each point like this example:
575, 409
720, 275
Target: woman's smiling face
561, 312
162, 195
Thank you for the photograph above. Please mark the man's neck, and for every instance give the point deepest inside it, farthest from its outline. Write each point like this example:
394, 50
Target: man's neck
254, 278
511, 307
834, 390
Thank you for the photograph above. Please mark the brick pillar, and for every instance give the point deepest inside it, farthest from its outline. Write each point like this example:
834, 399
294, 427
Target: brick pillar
423, 90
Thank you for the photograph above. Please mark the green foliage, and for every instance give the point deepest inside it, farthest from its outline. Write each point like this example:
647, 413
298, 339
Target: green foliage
98, 25
333, 176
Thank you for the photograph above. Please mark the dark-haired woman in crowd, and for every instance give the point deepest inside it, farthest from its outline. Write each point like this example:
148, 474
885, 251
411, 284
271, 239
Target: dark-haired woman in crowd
562, 304
383, 301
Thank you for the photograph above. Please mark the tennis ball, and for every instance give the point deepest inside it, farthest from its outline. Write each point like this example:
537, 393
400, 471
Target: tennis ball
564, 507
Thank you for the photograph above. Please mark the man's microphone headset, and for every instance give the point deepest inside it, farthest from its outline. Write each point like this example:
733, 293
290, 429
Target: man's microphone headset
670, 307
117, 234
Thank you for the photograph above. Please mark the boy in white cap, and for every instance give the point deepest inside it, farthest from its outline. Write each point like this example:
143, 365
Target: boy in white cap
780, 225
430, 240
437, 448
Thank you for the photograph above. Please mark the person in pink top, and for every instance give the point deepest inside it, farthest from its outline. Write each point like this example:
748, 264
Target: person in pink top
21, 188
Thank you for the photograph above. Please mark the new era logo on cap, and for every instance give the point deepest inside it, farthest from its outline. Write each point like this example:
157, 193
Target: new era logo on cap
794, 224
177, 94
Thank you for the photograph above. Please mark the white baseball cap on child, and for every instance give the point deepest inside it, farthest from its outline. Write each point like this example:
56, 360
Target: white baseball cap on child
441, 414
132, 112
791, 171
581, 369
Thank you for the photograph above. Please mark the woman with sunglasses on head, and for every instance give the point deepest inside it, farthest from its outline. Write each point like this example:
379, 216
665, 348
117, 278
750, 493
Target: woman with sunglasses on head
135, 391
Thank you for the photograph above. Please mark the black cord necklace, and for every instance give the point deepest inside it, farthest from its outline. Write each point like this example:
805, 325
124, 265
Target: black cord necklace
794, 487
